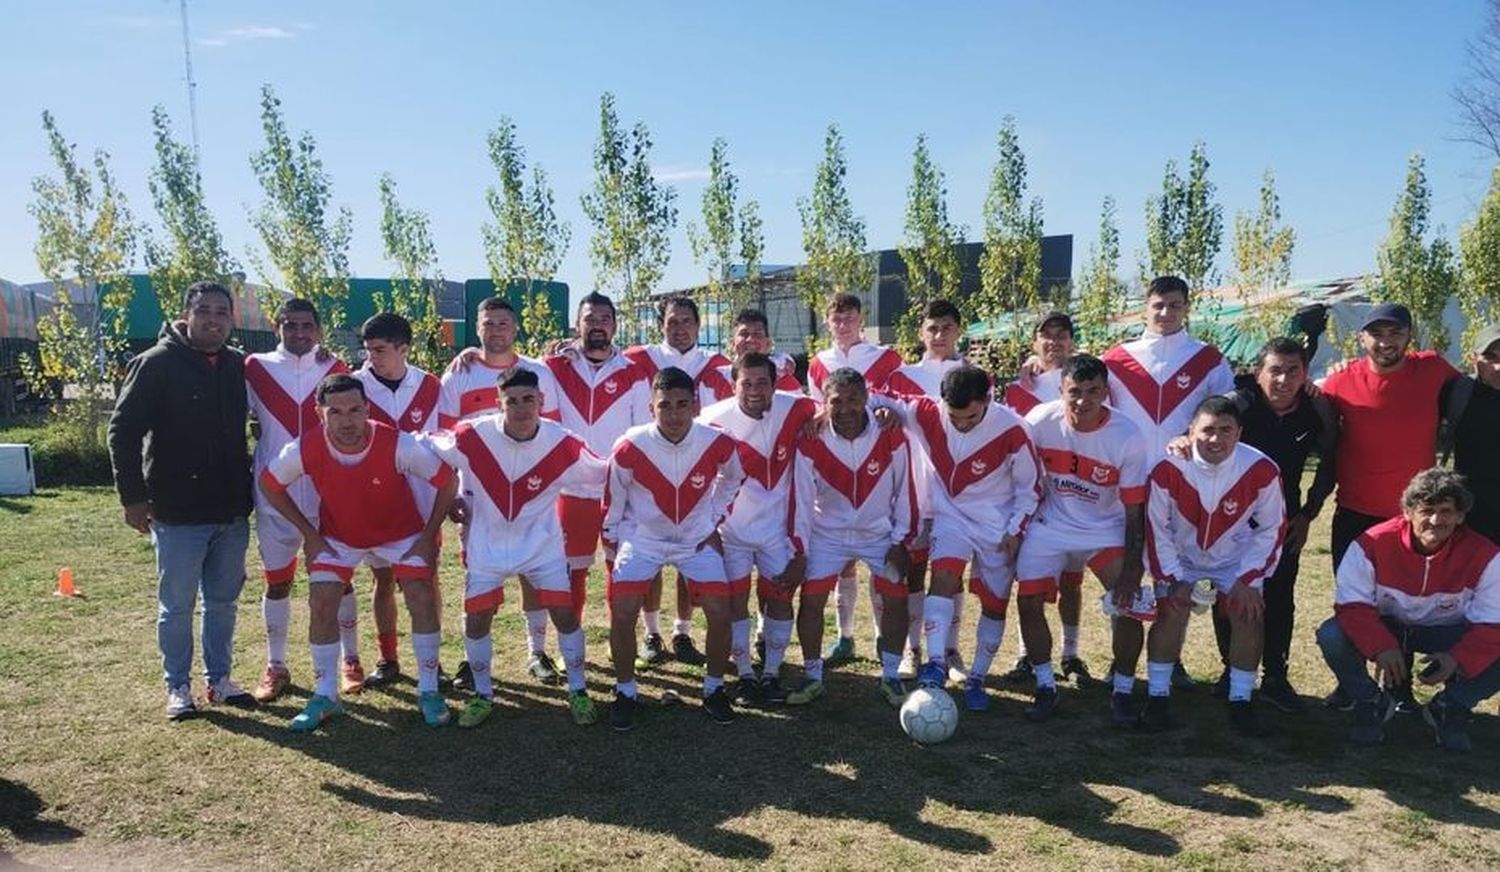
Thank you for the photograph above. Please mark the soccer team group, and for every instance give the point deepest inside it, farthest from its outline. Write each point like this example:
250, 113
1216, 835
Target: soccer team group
1130, 465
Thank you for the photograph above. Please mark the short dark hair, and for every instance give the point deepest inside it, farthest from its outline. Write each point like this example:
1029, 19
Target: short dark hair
752, 316
1163, 285
680, 303
846, 377
388, 326
337, 384
518, 377
1085, 367
297, 304
1433, 486
750, 360
1281, 345
965, 385
198, 289
594, 298
844, 302
1218, 406
493, 304
942, 309
672, 379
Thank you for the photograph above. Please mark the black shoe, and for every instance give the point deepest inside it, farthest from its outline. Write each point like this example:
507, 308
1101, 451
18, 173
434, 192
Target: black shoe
1078, 670
1221, 687
622, 713
1043, 704
1279, 692
759, 657
1450, 722
1157, 716
1370, 716
386, 673
771, 691
718, 707
1339, 700
1406, 703
747, 691
1020, 673
1180, 678
653, 652
1122, 710
1244, 721
686, 652
463, 681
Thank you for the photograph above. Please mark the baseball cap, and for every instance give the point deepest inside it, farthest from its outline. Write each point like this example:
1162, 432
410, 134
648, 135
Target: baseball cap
1487, 337
1387, 312
1054, 316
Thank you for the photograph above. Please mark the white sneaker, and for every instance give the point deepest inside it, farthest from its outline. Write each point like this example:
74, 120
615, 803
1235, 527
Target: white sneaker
956, 671
911, 664
226, 691
180, 703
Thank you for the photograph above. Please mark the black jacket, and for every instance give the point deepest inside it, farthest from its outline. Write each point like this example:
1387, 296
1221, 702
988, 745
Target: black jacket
1474, 451
177, 437
1310, 428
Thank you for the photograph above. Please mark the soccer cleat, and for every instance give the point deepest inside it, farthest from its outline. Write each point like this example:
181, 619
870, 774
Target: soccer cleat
319, 709
1244, 721
273, 683
476, 711
652, 652
975, 699
1122, 711
447, 682
582, 708
1078, 670
464, 680
1339, 700
810, 689
226, 691
759, 649
1180, 678
956, 671
622, 713
932, 675
771, 691
386, 673
434, 708
718, 707
686, 652
1406, 701
1043, 704
1370, 716
747, 690
1450, 722
841, 653
1221, 686
180, 703
1021, 673
894, 690
542, 668
1279, 692
352, 678
911, 662
1157, 716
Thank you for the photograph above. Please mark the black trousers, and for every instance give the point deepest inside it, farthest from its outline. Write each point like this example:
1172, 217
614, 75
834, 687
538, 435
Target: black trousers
1281, 610
1347, 525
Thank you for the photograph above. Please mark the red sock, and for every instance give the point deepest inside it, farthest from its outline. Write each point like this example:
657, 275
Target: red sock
580, 585
388, 646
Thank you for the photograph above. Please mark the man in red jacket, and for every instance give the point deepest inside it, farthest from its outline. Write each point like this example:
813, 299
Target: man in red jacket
1424, 583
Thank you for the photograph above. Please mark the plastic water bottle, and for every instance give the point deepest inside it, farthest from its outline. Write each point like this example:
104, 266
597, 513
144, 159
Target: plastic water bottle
1205, 593
1142, 608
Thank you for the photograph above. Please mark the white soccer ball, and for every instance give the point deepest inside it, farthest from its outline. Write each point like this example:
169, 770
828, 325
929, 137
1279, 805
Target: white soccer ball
929, 715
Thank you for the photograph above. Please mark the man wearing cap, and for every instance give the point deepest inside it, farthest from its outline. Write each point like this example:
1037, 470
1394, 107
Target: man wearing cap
1471, 418
1040, 380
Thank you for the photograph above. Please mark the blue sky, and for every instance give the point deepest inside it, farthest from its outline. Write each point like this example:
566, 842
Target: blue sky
1333, 96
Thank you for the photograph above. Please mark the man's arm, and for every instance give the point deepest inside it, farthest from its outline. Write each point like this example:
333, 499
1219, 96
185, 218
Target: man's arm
1354, 603
1479, 647
132, 420
1161, 549
617, 482
1259, 557
1026, 479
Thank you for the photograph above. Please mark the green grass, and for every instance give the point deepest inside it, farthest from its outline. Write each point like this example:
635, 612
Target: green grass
91, 774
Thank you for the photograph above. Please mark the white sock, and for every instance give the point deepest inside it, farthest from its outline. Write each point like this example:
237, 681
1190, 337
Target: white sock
937, 623
425, 646
845, 594
890, 664
877, 609
958, 620
1241, 684
712, 683
914, 624
278, 615
987, 637
778, 636
325, 659
349, 625
1020, 644
813, 668
1124, 683
682, 627
625, 688
481, 654
1043, 673
653, 623
571, 646
1159, 678
1070, 640
760, 625
536, 631
739, 647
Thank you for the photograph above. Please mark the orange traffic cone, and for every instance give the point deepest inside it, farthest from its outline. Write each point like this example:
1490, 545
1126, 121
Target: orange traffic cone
65, 583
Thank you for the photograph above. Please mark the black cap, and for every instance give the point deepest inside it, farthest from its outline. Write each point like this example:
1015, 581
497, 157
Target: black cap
1394, 312
1050, 317
1487, 337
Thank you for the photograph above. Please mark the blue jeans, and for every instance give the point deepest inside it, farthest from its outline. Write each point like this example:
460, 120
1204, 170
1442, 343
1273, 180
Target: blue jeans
1352, 669
190, 558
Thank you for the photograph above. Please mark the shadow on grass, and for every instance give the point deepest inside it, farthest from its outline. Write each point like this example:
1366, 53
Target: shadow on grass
21, 813
15, 507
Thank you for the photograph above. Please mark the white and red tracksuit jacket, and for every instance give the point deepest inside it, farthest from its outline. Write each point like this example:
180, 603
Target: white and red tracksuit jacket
705, 367
282, 390
875, 362
472, 390
768, 507
1220, 520
860, 490
411, 408
921, 379
1383, 576
599, 403
1044, 388
786, 373
664, 495
1159, 380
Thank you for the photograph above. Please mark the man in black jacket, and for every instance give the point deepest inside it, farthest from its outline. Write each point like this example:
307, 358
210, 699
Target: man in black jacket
178, 446
1471, 420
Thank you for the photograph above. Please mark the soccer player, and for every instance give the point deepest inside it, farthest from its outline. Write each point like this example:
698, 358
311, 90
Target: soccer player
864, 507
670, 485
405, 398
512, 467
367, 514
280, 385
1041, 377
766, 529
1217, 516
752, 332
1093, 515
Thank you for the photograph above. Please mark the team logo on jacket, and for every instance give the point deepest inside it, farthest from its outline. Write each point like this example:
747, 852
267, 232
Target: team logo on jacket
534, 483
698, 480
1231, 506
872, 468
1184, 381
1447, 603
416, 416
781, 451
611, 387
375, 481
978, 467
1100, 474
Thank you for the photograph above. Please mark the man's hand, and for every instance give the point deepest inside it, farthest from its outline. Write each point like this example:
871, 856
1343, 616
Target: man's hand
898, 559
314, 545
465, 359
138, 517
562, 346
1125, 591
712, 540
887, 418
794, 574
1030, 369
1296, 534
1390, 668
1445, 663
1180, 595
1182, 447
458, 511
1246, 600
1311, 390
425, 548
1009, 545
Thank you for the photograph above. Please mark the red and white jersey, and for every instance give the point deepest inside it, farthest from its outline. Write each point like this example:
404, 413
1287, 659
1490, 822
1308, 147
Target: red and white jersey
1159, 380
599, 402
1044, 388
861, 489
875, 362
472, 390
767, 509
1092, 475
921, 379
366, 499
786, 373
668, 493
282, 391
1224, 520
1383, 576
986, 481
511, 486
411, 407
705, 367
